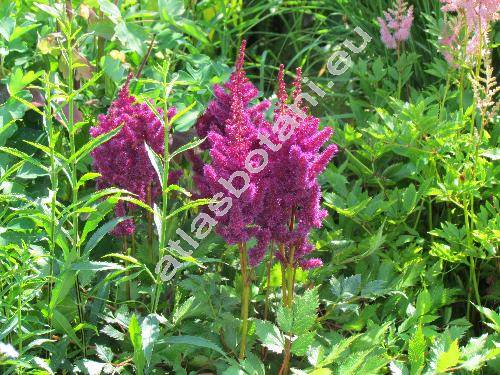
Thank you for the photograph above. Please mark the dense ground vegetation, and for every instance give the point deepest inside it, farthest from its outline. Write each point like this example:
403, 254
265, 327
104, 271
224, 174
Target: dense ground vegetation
368, 244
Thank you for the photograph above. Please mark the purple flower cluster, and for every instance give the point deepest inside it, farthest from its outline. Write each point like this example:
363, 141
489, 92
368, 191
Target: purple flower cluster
279, 200
123, 161
231, 127
292, 199
396, 24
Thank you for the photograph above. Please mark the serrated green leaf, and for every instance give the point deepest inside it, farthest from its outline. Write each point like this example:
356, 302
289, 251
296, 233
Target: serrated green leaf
134, 330
448, 358
270, 336
416, 351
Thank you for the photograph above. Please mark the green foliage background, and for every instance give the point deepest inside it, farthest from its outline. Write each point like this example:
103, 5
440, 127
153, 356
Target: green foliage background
410, 283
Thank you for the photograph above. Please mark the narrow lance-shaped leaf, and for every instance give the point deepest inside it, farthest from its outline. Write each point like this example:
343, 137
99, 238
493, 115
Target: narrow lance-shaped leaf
93, 143
187, 146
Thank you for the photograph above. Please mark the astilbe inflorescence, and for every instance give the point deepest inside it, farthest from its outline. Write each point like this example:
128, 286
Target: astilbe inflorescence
231, 125
396, 24
292, 192
123, 161
485, 89
471, 21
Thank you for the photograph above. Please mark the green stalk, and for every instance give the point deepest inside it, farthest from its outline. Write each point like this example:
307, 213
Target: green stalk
289, 280
268, 284
447, 87
245, 298
74, 173
54, 184
162, 240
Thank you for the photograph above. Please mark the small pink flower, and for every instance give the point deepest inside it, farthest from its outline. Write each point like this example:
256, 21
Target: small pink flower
471, 24
396, 24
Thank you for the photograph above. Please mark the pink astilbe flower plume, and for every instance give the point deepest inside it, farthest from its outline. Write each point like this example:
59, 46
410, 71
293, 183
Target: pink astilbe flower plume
469, 27
396, 24
123, 161
292, 199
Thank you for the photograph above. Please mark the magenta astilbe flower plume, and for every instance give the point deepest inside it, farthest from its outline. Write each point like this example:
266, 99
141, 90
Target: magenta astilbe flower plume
292, 199
215, 117
473, 18
231, 125
396, 24
123, 161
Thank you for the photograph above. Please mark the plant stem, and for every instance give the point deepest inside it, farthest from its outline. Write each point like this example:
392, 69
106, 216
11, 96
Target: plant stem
245, 298
74, 174
268, 284
149, 217
288, 301
53, 182
162, 240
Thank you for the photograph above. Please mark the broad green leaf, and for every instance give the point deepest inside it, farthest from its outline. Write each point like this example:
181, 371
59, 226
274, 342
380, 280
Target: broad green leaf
62, 287
150, 331
337, 350
353, 362
132, 36
61, 320
194, 341
302, 343
304, 311
424, 302
110, 9
270, 336
416, 351
170, 8
98, 235
134, 331
448, 358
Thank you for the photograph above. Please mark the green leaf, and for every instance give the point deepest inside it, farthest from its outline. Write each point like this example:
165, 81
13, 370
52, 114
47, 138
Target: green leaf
62, 287
150, 332
424, 302
346, 288
18, 80
92, 144
101, 232
416, 351
132, 36
23, 156
134, 331
352, 364
95, 266
156, 161
194, 341
492, 316
170, 8
183, 310
61, 320
270, 336
110, 9
448, 358
304, 311
409, 199
189, 205
187, 146
337, 350
302, 343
